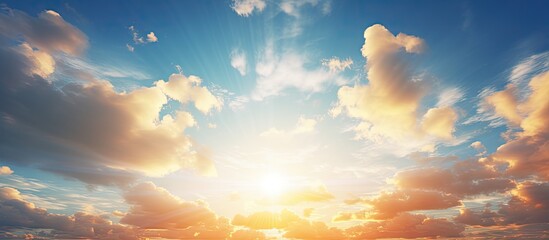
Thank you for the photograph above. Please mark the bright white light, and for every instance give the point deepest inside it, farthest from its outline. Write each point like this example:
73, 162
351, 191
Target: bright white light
273, 184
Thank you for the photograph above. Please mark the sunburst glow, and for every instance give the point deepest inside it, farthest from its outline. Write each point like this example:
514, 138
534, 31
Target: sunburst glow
274, 119
274, 184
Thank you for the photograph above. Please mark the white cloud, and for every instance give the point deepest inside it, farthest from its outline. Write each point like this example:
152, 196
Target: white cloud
238, 102
449, 97
135, 36
130, 47
185, 89
247, 7
337, 65
238, 61
275, 73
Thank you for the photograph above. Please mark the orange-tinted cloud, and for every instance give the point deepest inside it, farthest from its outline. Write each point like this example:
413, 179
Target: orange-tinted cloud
529, 204
304, 229
266, 220
247, 234
315, 193
388, 105
527, 151
469, 177
484, 218
390, 204
49, 32
407, 225
5, 170
152, 207
19, 215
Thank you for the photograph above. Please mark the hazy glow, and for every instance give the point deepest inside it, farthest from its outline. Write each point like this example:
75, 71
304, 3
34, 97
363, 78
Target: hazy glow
274, 184
274, 119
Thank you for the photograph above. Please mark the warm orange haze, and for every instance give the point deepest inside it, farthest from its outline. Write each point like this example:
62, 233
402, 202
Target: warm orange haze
287, 119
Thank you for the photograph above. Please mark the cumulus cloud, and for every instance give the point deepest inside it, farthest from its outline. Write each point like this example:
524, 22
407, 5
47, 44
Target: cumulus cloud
336, 65
151, 37
152, 207
247, 7
465, 178
526, 152
389, 105
5, 170
304, 229
48, 32
407, 225
247, 234
278, 72
20, 215
479, 147
529, 204
389, 204
266, 220
80, 125
187, 89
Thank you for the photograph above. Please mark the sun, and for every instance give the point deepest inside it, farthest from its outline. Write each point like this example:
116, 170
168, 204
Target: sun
273, 184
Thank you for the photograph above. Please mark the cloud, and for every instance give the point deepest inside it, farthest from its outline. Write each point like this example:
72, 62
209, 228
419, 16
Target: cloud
450, 96
526, 152
303, 125
187, 89
307, 212
151, 37
336, 65
5, 170
238, 61
529, 204
81, 125
139, 40
312, 230
293, 226
389, 204
440, 122
246, 234
407, 225
19, 215
479, 147
292, 7
48, 32
130, 47
152, 207
388, 106
266, 220
307, 194
499, 107
278, 72
465, 178
484, 218
247, 7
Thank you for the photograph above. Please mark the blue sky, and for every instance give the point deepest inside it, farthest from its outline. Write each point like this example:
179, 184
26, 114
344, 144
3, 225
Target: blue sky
255, 107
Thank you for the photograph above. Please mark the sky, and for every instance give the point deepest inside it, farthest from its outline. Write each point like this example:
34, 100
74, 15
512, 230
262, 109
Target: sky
260, 119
